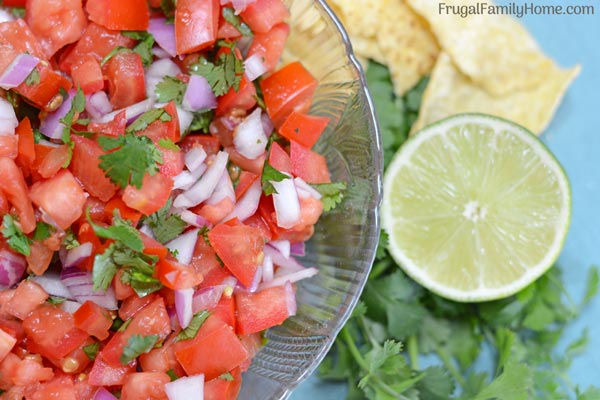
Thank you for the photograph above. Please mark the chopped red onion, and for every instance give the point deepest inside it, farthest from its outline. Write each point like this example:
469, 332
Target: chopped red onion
81, 285
195, 157
98, 104
199, 95
164, 34
184, 245
286, 203
283, 246
202, 189
186, 388
254, 67
194, 219
70, 306
305, 190
223, 190
298, 249
289, 278
77, 254
207, 298
267, 269
289, 263
185, 179
238, 5
267, 124
52, 284
258, 276
103, 394
12, 267
18, 71
249, 137
290, 296
51, 125
131, 112
160, 53
185, 119
183, 306
248, 204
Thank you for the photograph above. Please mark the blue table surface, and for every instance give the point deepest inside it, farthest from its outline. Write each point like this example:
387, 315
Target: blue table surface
574, 137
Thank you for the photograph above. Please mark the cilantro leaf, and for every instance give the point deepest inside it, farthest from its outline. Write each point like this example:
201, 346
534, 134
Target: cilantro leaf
192, 330
225, 73
226, 376
114, 52
164, 225
170, 88
91, 350
144, 45
172, 375
120, 231
136, 346
42, 231
332, 193
140, 278
514, 383
33, 78
168, 8
133, 158
270, 175
77, 106
142, 122
104, 269
15, 237
70, 241
201, 121
229, 16
55, 300
168, 144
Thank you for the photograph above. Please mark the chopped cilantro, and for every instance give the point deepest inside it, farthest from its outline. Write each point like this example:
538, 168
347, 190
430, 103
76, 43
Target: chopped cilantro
33, 78
170, 88
168, 8
201, 121
164, 225
192, 330
133, 158
172, 375
42, 231
137, 345
18, 12
270, 175
229, 16
144, 45
15, 237
70, 240
226, 376
91, 350
77, 106
332, 193
117, 324
142, 122
55, 300
141, 279
120, 231
225, 73
168, 144
114, 52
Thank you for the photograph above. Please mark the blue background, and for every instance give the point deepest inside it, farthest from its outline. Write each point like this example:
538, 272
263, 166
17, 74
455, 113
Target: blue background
574, 137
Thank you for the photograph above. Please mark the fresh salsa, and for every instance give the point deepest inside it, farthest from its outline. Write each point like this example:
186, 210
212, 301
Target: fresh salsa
157, 182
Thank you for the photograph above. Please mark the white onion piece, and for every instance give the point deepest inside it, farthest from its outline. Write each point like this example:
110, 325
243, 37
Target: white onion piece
283, 246
52, 284
183, 306
185, 119
305, 190
267, 124
194, 157
202, 189
289, 278
131, 112
12, 267
286, 203
249, 137
70, 306
207, 298
289, 263
185, 179
256, 280
248, 204
254, 67
76, 255
98, 104
267, 269
164, 34
18, 70
184, 245
194, 219
5, 16
156, 72
223, 190
186, 388
239, 5
51, 125
199, 95
103, 394
8, 118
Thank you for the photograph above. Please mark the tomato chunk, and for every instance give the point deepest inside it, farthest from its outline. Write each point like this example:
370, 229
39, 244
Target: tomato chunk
270, 45
303, 128
261, 15
14, 188
153, 194
120, 15
264, 309
145, 385
28, 296
196, 24
308, 165
126, 84
93, 319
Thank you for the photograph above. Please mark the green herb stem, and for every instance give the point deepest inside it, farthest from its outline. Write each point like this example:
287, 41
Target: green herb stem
450, 366
413, 351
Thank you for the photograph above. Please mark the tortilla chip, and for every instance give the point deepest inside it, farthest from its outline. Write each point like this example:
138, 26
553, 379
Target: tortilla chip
451, 92
409, 47
494, 50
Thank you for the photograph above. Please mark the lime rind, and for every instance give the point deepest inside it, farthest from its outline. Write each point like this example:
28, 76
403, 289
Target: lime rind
440, 285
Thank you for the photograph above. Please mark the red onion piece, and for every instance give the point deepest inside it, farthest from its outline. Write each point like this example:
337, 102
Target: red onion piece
160, 53
185, 119
287, 278
183, 306
238, 5
184, 245
202, 189
8, 118
254, 67
290, 297
131, 112
76, 255
103, 394
164, 34
51, 125
256, 281
267, 124
198, 95
18, 71
12, 267
186, 388
70, 306
194, 219
52, 284
267, 269
286, 203
223, 190
194, 158
81, 285
248, 204
249, 138
283, 246
298, 249
98, 104
289, 263
207, 298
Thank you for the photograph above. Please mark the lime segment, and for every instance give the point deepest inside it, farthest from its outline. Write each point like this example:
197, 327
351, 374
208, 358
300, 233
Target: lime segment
475, 207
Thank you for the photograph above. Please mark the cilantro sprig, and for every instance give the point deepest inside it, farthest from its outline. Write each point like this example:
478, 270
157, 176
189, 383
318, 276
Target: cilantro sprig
223, 74
164, 225
14, 236
136, 346
196, 323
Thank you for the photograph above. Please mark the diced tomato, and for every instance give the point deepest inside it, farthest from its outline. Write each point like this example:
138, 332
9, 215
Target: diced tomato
87, 74
269, 45
14, 188
173, 162
39, 258
258, 222
96, 41
308, 165
52, 332
262, 310
19, 37
93, 319
153, 247
9, 146
54, 161
243, 99
205, 262
116, 203
30, 371
289, 89
86, 234
56, 23
262, 15
255, 166
152, 196
8, 366
224, 389
83, 389
103, 374
279, 158
226, 30
28, 296
145, 385
61, 197
26, 149
245, 180
197, 355
14, 3
240, 248
134, 304
46, 93
12, 327
119, 15
164, 129
7, 342
225, 309
176, 275
196, 24
162, 359
122, 290
60, 387
209, 143
303, 128
126, 84
115, 127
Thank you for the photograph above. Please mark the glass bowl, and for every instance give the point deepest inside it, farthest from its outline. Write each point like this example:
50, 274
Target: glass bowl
345, 240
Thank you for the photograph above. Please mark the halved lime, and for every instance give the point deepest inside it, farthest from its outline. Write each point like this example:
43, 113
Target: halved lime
476, 207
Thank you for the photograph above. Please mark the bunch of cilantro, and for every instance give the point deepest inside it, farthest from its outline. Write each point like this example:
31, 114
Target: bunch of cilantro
403, 342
